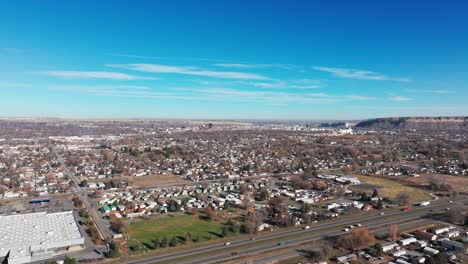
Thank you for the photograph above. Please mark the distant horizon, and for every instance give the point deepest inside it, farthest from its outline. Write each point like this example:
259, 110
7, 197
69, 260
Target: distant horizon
214, 119
253, 60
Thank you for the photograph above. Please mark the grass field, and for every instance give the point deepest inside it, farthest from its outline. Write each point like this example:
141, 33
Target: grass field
391, 188
146, 231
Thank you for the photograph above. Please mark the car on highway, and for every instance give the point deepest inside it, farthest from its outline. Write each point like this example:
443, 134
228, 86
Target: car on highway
253, 238
382, 213
359, 225
306, 227
234, 253
450, 201
346, 229
227, 243
281, 243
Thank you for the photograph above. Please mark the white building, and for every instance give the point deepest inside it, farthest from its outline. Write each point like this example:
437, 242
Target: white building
399, 253
389, 246
441, 230
430, 251
402, 261
407, 241
453, 233
421, 243
26, 238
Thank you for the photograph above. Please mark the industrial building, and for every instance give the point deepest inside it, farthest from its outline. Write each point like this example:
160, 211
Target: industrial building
32, 237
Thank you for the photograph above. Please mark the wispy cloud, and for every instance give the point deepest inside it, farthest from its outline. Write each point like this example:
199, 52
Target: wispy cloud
263, 96
359, 97
255, 66
294, 84
127, 91
98, 88
433, 91
196, 71
359, 74
400, 98
275, 84
207, 94
438, 91
269, 96
135, 56
95, 75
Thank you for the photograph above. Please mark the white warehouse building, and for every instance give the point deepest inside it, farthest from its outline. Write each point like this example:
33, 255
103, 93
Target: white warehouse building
31, 237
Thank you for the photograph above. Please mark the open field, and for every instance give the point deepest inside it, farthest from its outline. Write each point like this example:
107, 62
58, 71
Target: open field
458, 183
390, 188
177, 226
157, 180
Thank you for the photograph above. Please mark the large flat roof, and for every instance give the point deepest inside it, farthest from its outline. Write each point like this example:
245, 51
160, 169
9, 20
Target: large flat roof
24, 234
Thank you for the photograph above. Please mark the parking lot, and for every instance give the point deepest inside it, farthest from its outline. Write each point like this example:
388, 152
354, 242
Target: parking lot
25, 207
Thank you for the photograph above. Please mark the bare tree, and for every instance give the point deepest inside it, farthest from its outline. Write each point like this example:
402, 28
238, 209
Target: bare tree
119, 226
325, 252
347, 169
393, 232
403, 198
455, 216
188, 238
211, 214
358, 239
195, 211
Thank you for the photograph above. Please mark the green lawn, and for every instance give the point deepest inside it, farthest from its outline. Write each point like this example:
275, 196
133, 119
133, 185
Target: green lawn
146, 231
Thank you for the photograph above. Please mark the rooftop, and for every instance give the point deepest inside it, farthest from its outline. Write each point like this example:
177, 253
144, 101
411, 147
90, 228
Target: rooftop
25, 234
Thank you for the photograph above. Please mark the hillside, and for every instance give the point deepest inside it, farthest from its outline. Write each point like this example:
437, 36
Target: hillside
418, 123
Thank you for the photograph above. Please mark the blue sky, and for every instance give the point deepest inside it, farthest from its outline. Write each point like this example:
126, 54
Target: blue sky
307, 60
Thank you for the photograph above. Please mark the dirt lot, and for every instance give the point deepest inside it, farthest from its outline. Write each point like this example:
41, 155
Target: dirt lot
458, 183
157, 180
390, 188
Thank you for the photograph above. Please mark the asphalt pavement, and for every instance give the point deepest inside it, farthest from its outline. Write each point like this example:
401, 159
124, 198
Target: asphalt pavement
102, 224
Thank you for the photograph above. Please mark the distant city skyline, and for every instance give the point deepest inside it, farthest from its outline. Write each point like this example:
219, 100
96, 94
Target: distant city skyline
299, 60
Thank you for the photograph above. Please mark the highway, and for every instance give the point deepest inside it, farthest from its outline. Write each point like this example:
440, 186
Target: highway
271, 256
296, 236
290, 242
